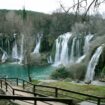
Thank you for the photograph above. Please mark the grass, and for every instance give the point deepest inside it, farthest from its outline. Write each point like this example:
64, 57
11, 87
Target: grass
35, 82
87, 89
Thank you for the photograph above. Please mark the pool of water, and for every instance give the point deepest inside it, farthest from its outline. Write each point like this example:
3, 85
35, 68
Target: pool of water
16, 70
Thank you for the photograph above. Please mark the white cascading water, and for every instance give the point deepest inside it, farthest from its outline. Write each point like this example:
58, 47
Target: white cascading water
21, 50
80, 59
61, 56
75, 52
92, 64
4, 57
72, 59
88, 38
57, 54
38, 41
87, 42
49, 60
15, 51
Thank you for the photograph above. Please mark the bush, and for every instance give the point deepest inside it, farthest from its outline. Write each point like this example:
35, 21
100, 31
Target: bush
103, 73
77, 71
74, 71
60, 73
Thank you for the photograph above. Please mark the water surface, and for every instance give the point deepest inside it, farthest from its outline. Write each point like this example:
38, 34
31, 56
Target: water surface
16, 70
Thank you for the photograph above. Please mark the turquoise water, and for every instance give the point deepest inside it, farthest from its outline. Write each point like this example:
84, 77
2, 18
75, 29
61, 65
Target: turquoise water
15, 70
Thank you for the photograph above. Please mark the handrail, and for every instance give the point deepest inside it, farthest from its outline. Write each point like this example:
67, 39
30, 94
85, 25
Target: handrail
14, 89
57, 89
35, 99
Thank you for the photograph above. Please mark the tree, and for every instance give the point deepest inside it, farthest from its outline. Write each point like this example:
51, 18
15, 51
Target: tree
27, 31
83, 5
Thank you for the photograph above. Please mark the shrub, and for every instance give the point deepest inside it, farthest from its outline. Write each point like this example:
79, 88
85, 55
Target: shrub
74, 71
60, 73
77, 71
103, 73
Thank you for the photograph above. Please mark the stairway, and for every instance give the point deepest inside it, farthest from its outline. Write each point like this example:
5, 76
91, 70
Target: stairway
9, 92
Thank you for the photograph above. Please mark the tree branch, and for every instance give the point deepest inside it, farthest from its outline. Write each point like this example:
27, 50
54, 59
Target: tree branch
89, 7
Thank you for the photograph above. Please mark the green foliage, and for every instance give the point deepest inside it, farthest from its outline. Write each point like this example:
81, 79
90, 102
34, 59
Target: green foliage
74, 71
103, 73
35, 82
86, 89
60, 73
77, 71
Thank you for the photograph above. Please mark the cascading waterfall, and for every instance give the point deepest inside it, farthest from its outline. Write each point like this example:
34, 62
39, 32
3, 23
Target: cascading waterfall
61, 56
80, 59
71, 51
4, 57
38, 41
92, 64
49, 60
15, 51
76, 50
21, 50
88, 38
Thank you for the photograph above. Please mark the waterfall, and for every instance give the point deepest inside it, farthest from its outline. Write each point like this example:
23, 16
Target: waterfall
49, 60
87, 39
61, 55
4, 57
92, 64
87, 42
38, 41
71, 49
80, 58
21, 50
76, 50
57, 55
15, 51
